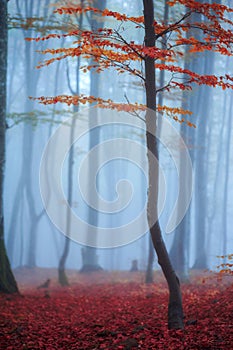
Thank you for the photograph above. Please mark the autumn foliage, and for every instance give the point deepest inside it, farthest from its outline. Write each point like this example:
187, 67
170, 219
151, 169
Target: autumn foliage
108, 48
226, 265
117, 311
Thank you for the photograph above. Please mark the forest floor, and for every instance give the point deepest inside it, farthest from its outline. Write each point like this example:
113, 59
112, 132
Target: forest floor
114, 311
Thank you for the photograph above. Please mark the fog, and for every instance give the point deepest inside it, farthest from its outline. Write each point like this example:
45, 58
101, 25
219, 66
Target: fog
35, 211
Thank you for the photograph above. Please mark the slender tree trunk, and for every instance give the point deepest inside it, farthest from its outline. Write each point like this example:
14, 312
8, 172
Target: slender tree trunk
151, 256
57, 80
62, 278
7, 280
201, 161
220, 186
226, 179
25, 184
89, 254
175, 311
149, 270
29, 145
179, 252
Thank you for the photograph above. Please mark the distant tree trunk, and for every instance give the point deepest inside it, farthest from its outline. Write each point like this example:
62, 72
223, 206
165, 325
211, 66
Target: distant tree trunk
199, 104
89, 254
25, 183
62, 277
175, 310
220, 185
229, 125
201, 161
134, 266
31, 59
7, 280
179, 252
151, 257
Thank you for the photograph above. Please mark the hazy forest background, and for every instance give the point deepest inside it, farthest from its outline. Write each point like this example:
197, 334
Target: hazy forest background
94, 291
31, 239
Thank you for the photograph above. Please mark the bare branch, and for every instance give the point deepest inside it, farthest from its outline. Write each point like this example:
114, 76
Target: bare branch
135, 114
128, 44
173, 26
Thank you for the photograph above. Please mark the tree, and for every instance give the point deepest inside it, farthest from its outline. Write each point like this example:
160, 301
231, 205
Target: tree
149, 270
89, 254
24, 195
179, 252
110, 48
62, 277
7, 280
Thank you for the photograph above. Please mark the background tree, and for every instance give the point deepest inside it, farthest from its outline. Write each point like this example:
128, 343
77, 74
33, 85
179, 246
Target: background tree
24, 198
89, 254
7, 280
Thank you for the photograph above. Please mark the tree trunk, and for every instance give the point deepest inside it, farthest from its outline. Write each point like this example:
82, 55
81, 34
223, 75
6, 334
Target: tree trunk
179, 253
226, 179
25, 190
89, 254
149, 269
201, 161
62, 277
175, 310
7, 280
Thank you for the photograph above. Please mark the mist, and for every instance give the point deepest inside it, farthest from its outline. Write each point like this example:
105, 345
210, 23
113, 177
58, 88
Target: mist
32, 239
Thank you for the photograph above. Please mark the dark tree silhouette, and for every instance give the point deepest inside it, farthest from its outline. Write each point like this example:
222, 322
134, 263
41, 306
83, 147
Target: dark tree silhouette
7, 280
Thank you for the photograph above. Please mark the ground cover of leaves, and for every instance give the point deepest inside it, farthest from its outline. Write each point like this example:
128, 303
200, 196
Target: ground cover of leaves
114, 311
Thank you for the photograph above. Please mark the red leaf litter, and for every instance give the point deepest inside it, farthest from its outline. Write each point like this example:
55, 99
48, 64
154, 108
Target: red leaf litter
114, 311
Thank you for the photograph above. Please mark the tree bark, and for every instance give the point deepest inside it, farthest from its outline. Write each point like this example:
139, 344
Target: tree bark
175, 310
7, 280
